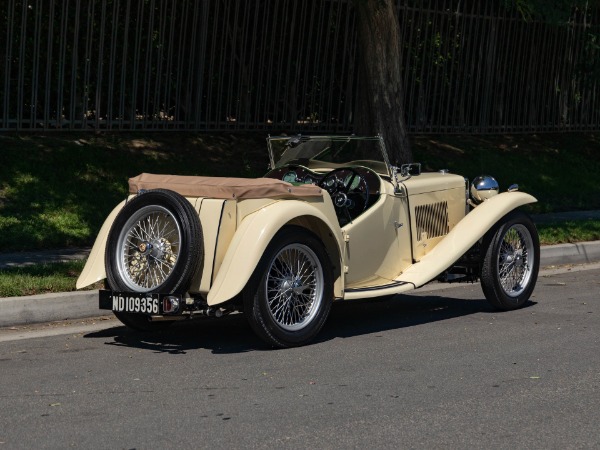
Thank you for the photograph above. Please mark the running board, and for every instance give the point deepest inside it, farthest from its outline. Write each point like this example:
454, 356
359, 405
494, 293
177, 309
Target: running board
392, 288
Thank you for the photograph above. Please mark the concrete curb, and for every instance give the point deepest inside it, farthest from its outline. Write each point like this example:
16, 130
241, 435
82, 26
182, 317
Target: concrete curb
580, 253
49, 307
77, 305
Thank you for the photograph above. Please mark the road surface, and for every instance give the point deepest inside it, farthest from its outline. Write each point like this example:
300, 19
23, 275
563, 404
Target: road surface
434, 369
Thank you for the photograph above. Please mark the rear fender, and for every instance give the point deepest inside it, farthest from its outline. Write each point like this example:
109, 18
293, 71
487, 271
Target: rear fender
94, 270
256, 232
463, 236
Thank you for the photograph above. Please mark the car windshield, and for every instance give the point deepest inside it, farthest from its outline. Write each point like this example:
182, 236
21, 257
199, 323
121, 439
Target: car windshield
327, 149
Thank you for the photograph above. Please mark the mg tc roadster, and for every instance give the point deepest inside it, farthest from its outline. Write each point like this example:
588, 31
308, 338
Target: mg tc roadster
332, 220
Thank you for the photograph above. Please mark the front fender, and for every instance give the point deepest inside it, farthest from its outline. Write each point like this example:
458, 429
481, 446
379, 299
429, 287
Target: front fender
94, 267
252, 238
463, 236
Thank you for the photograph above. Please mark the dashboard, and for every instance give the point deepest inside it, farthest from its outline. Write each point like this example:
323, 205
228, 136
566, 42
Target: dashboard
353, 189
295, 174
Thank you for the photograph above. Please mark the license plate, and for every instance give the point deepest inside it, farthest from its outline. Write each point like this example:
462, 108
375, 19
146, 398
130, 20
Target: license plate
130, 302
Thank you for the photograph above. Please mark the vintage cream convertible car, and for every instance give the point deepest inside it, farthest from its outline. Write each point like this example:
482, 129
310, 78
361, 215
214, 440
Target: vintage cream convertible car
332, 220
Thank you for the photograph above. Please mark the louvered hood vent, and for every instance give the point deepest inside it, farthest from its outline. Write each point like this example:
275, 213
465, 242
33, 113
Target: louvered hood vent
432, 220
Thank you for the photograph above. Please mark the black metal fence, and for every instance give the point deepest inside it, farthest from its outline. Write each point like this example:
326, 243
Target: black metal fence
477, 67
469, 66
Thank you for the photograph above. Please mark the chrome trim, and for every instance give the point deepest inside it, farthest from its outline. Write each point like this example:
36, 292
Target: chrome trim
376, 288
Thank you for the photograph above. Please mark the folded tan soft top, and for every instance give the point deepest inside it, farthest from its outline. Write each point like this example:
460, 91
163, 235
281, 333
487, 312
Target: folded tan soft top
221, 187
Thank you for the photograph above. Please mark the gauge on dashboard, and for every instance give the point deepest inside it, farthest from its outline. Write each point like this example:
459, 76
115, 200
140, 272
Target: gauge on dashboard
290, 177
331, 182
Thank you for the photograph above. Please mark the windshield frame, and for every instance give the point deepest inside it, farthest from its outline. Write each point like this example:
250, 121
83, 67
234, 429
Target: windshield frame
298, 140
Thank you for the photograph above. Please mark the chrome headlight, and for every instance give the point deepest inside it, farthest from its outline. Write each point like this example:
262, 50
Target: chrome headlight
483, 187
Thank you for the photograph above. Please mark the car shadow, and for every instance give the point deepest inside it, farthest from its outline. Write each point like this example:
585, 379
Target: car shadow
368, 316
232, 334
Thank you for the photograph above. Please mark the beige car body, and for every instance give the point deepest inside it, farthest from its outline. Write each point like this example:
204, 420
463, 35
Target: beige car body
418, 228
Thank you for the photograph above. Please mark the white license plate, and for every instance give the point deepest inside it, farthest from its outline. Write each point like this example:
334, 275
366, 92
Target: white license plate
132, 303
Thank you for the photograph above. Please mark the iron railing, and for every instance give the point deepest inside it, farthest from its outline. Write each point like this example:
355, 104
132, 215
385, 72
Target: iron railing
288, 65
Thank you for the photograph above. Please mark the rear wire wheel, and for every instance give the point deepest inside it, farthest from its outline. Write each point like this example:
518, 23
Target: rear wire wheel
511, 262
290, 293
154, 245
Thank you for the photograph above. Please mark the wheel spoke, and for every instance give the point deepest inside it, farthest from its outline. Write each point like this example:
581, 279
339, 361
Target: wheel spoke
294, 286
514, 270
155, 231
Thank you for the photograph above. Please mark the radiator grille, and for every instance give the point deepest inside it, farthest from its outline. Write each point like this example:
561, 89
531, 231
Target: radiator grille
432, 220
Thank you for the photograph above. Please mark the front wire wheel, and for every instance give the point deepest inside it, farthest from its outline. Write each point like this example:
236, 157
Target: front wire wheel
511, 262
290, 294
514, 260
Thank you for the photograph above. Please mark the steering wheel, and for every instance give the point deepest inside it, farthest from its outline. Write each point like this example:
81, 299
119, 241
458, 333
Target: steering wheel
348, 190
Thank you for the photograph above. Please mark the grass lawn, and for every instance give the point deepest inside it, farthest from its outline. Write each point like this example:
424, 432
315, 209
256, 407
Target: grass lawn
57, 188
560, 170
40, 279
569, 231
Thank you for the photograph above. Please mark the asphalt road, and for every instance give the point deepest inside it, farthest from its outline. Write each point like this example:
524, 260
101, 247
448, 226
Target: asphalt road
434, 369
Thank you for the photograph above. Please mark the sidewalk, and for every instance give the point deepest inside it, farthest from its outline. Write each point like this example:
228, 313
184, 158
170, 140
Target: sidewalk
20, 259
75, 305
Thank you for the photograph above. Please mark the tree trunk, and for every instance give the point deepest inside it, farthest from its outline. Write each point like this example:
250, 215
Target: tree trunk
380, 105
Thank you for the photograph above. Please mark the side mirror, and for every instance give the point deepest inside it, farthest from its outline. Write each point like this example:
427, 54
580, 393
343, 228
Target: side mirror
406, 171
294, 142
410, 170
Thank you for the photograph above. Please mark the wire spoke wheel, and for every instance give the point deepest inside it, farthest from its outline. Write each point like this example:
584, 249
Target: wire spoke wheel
289, 296
514, 260
510, 262
294, 287
148, 246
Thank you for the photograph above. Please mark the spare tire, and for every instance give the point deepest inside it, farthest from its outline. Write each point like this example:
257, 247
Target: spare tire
154, 245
